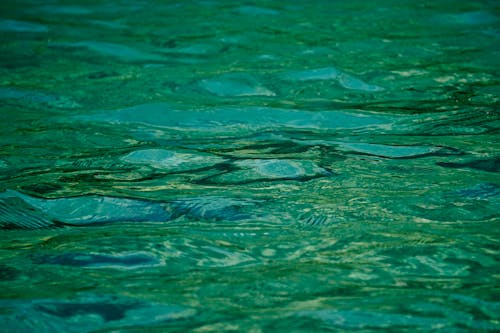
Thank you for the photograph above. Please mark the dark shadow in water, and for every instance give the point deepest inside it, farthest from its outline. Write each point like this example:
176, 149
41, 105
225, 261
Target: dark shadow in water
108, 311
489, 165
8, 273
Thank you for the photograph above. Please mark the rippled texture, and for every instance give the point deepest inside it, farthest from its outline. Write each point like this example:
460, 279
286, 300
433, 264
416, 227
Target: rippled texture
264, 166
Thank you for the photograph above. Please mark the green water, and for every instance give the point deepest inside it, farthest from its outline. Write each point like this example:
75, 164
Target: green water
261, 166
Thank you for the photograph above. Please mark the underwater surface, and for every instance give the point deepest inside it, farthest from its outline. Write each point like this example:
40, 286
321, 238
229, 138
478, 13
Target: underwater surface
249, 166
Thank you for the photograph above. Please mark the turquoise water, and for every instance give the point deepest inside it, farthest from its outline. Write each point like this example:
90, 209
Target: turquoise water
260, 166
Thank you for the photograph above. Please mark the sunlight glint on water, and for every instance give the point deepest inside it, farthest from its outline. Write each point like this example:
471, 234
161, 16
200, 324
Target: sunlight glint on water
266, 166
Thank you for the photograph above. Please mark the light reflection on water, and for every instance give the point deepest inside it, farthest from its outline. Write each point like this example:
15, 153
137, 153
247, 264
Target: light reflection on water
214, 166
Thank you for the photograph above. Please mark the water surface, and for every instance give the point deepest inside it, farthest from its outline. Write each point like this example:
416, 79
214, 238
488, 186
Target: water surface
264, 166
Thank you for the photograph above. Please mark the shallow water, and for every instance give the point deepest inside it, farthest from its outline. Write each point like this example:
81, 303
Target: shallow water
223, 166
